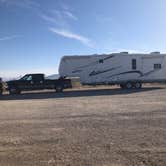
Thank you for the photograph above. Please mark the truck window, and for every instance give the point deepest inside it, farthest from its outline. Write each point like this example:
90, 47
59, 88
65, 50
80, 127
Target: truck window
134, 64
27, 78
37, 77
157, 66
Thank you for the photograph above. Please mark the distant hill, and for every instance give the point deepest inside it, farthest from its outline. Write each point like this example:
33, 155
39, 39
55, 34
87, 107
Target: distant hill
10, 78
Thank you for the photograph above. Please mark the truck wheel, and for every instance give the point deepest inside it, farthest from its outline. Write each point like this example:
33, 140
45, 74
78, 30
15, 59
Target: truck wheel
1, 91
129, 85
59, 89
122, 86
14, 91
138, 85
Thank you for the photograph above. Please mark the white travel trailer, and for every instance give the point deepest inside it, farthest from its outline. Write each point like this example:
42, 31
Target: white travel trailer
124, 69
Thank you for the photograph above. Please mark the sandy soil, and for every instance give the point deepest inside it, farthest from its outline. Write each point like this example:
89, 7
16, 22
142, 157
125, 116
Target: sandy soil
90, 127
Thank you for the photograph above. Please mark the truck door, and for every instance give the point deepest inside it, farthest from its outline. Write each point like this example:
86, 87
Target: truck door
38, 82
25, 83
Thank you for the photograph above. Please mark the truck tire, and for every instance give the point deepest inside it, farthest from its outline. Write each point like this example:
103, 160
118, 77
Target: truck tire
1, 91
14, 91
59, 89
128, 85
122, 86
138, 85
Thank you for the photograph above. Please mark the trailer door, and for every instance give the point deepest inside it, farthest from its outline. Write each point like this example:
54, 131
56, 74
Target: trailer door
147, 64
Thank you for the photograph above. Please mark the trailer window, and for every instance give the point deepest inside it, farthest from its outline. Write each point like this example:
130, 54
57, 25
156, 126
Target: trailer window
157, 66
134, 64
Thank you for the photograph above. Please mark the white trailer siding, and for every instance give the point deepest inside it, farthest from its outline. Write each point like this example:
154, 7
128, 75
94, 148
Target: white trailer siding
150, 73
115, 68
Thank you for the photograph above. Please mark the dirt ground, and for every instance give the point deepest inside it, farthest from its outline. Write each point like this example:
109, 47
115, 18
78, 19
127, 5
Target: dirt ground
89, 127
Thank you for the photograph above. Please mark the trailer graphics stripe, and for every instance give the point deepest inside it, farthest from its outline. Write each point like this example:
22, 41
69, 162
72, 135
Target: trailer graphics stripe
79, 69
76, 71
150, 72
127, 72
94, 73
137, 71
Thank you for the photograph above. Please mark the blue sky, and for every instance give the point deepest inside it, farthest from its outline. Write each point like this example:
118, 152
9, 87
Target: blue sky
35, 34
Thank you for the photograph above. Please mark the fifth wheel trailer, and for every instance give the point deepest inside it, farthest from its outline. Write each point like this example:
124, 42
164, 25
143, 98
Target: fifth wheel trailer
124, 69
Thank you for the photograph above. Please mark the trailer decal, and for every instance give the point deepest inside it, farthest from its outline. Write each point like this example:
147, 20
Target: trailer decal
94, 73
150, 72
128, 72
78, 69
139, 72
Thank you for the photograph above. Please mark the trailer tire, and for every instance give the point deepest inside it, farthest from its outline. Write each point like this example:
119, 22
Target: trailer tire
128, 85
138, 85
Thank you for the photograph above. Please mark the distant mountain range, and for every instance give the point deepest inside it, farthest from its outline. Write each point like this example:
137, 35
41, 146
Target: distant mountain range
10, 78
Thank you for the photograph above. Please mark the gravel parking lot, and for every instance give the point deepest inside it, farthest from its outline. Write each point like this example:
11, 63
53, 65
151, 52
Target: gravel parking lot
85, 127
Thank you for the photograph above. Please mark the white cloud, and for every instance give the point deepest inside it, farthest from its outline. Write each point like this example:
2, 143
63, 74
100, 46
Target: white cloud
71, 35
60, 18
8, 37
55, 17
70, 15
48, 18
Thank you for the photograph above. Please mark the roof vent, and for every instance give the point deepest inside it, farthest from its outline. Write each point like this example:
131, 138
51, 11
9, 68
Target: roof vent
124, 52
156, 52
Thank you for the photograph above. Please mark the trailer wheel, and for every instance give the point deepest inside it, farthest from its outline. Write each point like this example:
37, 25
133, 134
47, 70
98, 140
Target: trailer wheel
138, 85
59, 89
129, 85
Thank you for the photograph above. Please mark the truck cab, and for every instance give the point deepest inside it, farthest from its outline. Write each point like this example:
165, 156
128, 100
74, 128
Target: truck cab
27, 82
32, 82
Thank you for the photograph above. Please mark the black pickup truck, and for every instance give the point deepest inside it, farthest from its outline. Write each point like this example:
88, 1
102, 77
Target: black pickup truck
37, 82
1, 86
